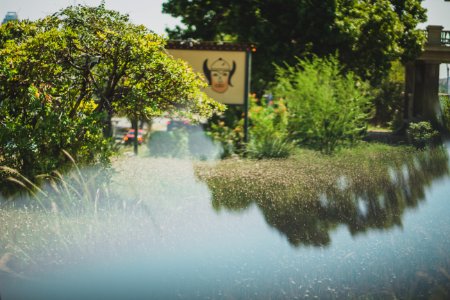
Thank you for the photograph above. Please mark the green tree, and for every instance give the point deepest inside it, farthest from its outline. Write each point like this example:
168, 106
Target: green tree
133, 70
63, 77
368, 35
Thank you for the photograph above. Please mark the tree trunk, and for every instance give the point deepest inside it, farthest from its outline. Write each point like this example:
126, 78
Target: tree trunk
107, 127
136, 134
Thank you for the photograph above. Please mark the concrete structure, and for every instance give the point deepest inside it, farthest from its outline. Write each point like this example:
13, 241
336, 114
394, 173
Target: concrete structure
10, 16
422, 78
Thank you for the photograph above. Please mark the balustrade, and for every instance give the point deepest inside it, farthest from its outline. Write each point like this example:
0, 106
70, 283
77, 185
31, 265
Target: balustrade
445, 37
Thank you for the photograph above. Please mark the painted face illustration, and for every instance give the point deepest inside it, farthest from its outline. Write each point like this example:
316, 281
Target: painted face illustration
219, 80
219, 75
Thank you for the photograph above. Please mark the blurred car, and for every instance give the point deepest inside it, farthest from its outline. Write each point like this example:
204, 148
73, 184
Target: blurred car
173, 124
128, 138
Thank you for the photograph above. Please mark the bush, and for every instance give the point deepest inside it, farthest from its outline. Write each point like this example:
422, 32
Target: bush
268, 131
327, 108
35, 129
445, 103
421, 134
169, 143
230, 137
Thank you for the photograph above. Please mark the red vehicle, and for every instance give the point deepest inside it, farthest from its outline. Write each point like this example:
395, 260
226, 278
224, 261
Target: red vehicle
128, 138
173, 124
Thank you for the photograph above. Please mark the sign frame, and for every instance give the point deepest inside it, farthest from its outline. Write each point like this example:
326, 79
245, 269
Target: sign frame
192, 45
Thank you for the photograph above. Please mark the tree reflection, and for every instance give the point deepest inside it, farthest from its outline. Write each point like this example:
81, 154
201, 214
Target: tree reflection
305, 203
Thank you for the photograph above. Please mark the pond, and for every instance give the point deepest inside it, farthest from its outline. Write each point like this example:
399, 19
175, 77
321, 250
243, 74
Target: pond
386, 236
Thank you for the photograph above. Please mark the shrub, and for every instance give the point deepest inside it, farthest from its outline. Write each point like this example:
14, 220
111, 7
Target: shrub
169, 143
421, 134
445, 103
230, 137
327, 108
268, 131
35, 129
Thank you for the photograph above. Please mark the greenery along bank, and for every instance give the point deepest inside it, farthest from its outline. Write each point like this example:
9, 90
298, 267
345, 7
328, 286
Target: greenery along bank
63, 77
372, 39
314, 103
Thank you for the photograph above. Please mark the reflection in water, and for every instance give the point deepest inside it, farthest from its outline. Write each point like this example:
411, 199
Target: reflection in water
306, 204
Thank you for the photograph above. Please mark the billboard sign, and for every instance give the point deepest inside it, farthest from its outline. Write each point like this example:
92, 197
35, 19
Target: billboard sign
223, 67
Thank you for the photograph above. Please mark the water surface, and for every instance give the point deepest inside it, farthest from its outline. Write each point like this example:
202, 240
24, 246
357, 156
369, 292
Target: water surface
202, 239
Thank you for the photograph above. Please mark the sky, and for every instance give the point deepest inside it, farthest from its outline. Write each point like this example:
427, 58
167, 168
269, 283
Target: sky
148, 12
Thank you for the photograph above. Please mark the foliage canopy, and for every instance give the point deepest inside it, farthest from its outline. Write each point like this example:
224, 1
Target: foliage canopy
63, 77
368, 35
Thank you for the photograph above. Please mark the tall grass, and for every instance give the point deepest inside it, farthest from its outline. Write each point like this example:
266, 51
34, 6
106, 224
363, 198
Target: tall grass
70, 219
68, 193
62, 219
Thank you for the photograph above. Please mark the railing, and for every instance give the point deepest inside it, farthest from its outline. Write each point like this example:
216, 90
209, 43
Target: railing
445, 37
444, 40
